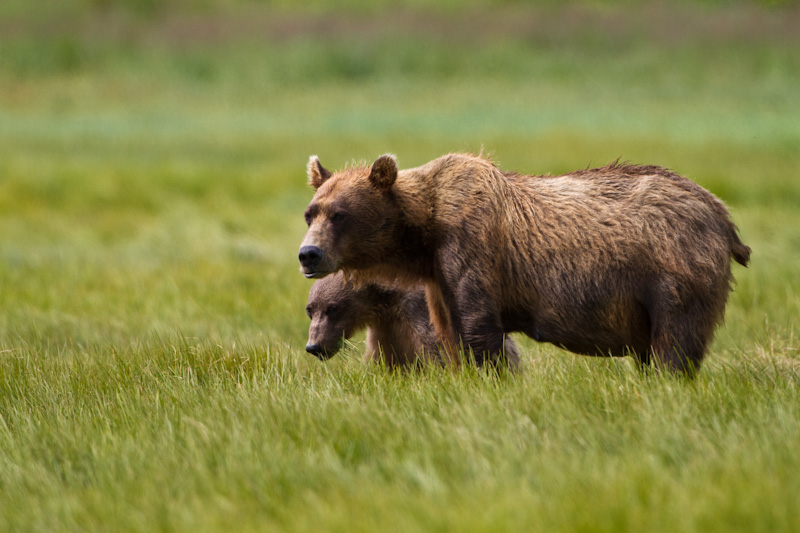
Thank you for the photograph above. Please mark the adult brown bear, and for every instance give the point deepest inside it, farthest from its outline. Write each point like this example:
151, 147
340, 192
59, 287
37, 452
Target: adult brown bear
616, 260
399, 330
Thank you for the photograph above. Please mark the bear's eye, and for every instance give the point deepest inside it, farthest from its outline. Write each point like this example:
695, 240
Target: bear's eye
308, 311
309, 218
338, 217
331, 310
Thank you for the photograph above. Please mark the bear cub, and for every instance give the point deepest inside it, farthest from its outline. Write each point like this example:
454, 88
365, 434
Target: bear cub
399, 330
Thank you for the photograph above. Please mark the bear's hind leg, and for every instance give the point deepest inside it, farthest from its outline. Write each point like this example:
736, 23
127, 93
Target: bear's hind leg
678, 342
682, 321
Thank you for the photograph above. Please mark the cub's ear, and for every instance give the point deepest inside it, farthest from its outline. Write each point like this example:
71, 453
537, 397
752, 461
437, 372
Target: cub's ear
316, 172
383, 172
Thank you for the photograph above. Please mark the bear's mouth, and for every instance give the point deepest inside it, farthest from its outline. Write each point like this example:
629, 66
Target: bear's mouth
314, 274
323, 352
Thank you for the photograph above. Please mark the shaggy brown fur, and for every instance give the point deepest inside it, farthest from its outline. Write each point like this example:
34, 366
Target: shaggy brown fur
399, 331
616, 260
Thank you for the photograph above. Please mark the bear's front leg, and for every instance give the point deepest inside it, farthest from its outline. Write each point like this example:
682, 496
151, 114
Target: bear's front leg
475, 319
483, 338
442, 325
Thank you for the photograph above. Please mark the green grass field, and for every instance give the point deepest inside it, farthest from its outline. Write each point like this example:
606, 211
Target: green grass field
152, 325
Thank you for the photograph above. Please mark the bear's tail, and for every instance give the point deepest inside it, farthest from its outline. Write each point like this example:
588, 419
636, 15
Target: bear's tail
739, 251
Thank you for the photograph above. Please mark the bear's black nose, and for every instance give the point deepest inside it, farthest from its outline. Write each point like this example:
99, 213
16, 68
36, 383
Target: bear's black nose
310, 256
319, 351
313, 348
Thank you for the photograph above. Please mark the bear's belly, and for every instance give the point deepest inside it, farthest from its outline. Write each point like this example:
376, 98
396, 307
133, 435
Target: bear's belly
587, 332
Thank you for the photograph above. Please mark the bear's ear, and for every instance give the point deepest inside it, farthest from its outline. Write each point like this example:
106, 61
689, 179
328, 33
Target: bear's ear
316, 172
383, 172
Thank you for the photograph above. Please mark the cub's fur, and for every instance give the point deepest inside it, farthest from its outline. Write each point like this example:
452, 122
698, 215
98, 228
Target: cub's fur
398, 325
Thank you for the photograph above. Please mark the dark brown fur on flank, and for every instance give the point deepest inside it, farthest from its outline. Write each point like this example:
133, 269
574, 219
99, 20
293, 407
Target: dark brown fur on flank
617, 260
399, 331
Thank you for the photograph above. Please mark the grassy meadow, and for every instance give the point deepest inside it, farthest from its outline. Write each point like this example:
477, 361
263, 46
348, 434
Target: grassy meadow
152, 326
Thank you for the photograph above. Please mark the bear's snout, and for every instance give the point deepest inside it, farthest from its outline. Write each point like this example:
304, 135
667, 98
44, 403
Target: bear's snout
310, 257
320, 351
314, 349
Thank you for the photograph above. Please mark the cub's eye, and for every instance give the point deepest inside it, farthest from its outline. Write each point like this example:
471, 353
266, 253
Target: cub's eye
308, 312
331, 310
338, 217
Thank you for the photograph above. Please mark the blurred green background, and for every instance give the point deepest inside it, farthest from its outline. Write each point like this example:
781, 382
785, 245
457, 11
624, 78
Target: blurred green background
152, 325
152, 153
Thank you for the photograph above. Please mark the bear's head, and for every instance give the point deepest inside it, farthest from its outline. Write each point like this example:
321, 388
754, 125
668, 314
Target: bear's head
336, 313
351, 219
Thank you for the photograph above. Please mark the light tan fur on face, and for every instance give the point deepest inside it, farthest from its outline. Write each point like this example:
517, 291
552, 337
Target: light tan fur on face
358, 196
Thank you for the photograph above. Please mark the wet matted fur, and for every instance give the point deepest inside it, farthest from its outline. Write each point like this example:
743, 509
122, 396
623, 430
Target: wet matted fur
623, 259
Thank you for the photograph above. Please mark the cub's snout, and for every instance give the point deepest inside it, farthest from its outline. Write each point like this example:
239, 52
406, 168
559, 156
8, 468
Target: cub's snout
323, 352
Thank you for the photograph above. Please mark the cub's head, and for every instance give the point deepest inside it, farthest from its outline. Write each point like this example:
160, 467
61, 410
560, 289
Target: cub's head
336, 312
350, 219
